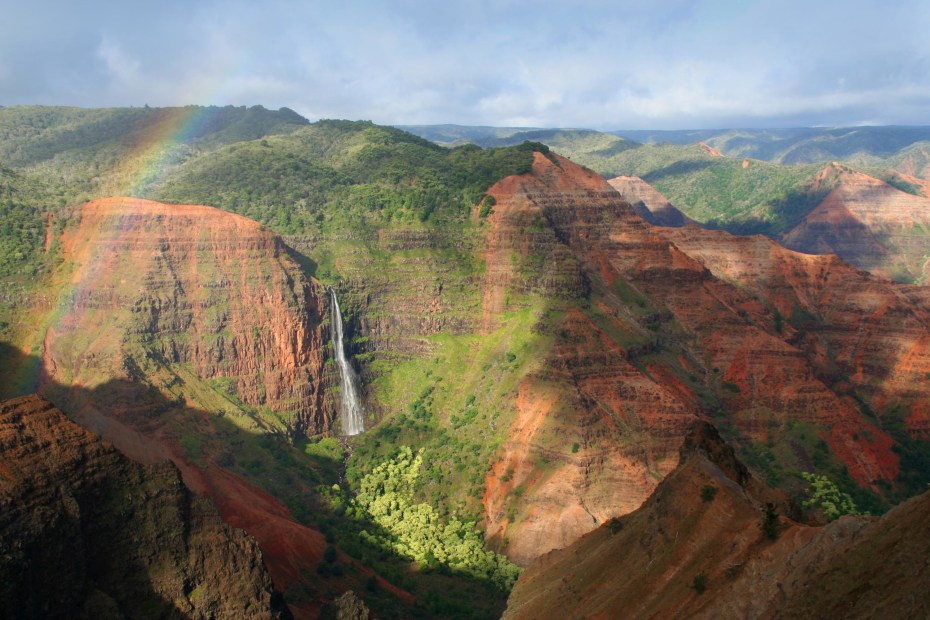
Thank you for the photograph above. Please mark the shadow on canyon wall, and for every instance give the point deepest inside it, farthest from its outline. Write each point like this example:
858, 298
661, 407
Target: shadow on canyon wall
269, 485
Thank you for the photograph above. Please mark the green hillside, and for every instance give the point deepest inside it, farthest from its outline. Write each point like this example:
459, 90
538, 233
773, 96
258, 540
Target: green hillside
83, 153
354, 172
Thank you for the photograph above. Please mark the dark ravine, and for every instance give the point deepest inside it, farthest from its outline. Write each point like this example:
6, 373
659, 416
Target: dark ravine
85, 532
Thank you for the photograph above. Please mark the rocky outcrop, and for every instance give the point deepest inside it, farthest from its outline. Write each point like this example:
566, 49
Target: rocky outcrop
861, 335
868, 223
697, 548
182, 332
593, 431
85, 532
648, 202
204, 305
677, 323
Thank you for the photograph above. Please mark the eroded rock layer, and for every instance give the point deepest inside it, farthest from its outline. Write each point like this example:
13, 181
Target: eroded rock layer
869, 223
648, 202
86, 532
678, 323
204, 305
700, 548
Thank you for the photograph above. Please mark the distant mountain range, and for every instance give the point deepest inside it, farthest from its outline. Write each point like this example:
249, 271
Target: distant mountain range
534, 344
770, 182
857, 145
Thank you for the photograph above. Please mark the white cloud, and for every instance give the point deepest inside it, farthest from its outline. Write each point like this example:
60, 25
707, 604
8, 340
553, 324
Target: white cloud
118, 64
598, 63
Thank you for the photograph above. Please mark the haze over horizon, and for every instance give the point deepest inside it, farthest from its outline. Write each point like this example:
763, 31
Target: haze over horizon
601, 65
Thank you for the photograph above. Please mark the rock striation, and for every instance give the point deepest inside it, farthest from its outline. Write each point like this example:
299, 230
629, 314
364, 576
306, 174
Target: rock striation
693, 552
648, 202
87, 533
677, 324
868, 223
204, 305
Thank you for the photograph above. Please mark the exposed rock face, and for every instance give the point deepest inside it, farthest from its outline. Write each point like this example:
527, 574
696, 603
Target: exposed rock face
648, 202
625, 424
681, 322
204, 305
860, 334
869, 223
85, 532
649, 563
190, 325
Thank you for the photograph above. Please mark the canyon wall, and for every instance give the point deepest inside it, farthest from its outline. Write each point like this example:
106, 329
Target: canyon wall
205, 306
678, 323
88, 533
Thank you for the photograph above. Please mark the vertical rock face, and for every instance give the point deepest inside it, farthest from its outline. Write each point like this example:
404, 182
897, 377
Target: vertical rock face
594, 429
204, 305
85, 532
680, 322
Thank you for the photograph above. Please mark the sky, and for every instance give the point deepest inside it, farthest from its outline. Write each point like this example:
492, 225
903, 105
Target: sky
621, 64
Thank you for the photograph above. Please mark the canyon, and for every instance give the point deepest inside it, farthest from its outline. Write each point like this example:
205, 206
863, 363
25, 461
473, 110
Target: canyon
701, 337
545, 347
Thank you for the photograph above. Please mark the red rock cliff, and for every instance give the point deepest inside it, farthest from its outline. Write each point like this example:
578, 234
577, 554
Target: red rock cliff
668, 335
203, 304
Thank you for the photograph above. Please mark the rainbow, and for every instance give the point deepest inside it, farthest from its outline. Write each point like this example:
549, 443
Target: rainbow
163, 145
154, 151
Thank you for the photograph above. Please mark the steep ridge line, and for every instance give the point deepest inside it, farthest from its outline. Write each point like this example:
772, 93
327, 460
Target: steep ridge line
668, 336
690, 552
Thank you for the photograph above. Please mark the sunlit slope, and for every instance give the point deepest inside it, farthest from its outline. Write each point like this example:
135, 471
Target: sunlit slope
703, 546
83, 153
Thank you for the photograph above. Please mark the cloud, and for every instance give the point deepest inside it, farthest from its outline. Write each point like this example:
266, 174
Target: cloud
118, 64
600, 64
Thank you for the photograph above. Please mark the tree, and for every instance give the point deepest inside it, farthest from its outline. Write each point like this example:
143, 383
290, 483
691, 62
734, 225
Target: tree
825, 497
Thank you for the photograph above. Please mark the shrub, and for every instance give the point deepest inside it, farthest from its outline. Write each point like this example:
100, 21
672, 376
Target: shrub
770, 521
615, 525
699, 584
329, 556
708, 493
825, 496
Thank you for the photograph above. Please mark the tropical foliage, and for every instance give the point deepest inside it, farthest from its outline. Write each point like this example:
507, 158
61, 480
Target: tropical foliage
415, 529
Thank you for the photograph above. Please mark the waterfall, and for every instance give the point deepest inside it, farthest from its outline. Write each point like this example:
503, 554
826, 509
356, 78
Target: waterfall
350, 407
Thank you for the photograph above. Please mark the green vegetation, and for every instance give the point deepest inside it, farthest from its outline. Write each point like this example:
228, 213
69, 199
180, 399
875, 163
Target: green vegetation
22, 225
79, 154
825, 497
800, 449
416, 530
338, 175
708, 493
761, 197
699, 583
769, 525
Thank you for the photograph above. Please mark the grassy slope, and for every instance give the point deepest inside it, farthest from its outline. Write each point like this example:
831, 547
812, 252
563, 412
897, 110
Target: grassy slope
720, 192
